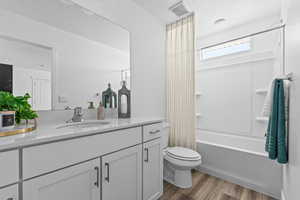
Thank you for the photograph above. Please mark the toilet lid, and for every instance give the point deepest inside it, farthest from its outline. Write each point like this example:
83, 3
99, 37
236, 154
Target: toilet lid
183, 153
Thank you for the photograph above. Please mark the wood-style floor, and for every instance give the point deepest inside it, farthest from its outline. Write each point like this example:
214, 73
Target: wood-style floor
207, 187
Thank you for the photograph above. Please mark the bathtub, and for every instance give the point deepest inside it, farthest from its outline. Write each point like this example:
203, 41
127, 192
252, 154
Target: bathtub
240, 160
249, 145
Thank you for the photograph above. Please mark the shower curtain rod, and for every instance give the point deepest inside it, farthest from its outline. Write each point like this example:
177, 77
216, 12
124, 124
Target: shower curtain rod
245, 36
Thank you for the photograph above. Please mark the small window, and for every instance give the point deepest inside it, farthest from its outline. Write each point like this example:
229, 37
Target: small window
236, 46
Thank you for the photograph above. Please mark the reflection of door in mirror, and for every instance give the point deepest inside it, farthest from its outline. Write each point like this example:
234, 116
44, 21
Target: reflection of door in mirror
29, 71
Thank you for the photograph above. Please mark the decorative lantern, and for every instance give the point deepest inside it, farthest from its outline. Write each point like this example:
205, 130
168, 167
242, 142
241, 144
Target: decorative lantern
109, 98
124, 101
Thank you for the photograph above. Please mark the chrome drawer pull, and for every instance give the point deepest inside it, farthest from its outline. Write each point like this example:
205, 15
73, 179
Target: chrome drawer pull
97, 181
107, 168
154, 132
147, 155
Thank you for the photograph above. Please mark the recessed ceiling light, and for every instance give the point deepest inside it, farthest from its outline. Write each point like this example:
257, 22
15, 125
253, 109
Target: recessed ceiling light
219, 21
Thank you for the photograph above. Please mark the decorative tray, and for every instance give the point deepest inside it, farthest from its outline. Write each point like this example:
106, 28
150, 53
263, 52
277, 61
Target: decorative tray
19, 129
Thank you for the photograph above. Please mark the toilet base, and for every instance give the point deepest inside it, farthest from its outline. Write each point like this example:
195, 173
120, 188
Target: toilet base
181, 178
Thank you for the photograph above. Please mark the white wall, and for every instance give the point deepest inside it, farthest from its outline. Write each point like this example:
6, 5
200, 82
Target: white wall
291, 172
147, 53
82, 67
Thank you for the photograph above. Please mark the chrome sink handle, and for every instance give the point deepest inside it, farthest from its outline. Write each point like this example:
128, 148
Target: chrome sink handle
78, 111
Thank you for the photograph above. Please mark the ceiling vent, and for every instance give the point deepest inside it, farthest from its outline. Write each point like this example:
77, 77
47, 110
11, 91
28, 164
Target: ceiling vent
180, 9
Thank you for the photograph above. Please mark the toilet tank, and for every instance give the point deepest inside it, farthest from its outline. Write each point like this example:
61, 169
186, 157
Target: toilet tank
165, 134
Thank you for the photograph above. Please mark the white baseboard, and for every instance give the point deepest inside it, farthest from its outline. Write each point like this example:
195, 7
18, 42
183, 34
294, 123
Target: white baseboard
236, 180
283, 197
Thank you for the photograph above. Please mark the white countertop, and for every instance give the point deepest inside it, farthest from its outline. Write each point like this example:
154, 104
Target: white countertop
50, 133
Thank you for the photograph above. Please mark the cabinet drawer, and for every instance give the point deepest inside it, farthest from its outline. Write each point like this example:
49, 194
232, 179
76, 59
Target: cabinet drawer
152, 131
45, 158
9, 193
9, 172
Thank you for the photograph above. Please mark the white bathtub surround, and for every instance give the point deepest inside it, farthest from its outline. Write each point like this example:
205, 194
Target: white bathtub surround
181, 82
225, 99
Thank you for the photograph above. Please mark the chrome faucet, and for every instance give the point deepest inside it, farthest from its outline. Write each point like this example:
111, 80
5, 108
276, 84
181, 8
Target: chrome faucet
77, 116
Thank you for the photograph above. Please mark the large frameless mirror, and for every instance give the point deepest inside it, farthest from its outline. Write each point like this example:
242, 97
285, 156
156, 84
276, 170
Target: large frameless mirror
61, 54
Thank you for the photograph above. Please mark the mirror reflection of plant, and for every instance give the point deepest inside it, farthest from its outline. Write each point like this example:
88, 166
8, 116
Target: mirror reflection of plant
19, 104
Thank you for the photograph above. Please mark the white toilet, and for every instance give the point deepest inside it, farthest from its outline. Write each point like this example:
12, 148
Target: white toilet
178, 162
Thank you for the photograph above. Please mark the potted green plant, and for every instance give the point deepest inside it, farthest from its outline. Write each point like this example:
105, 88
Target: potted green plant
17, 104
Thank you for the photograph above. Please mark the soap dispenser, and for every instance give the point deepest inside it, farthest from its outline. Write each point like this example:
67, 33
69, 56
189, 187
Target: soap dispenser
100, 112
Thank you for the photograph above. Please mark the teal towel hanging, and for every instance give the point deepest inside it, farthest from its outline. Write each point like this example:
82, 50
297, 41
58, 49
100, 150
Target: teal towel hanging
276, 132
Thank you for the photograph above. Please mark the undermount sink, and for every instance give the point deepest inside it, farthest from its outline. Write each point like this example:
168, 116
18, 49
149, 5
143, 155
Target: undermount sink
85, 124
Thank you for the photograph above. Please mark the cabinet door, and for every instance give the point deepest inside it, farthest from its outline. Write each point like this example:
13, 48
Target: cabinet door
79, 182
9, 162
122, 175
152, 170
9, 193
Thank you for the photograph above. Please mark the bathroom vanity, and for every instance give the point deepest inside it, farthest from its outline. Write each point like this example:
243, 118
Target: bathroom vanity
119, 160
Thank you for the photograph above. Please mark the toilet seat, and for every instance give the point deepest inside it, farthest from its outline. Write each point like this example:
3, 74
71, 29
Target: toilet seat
184, 154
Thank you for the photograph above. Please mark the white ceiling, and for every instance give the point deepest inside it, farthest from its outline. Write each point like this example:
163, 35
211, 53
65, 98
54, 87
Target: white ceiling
235, 12
71, 18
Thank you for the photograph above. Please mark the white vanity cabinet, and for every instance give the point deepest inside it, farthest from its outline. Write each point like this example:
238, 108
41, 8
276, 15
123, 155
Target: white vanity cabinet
9, 193
122, 175
78, 182
121, 164
152, 170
